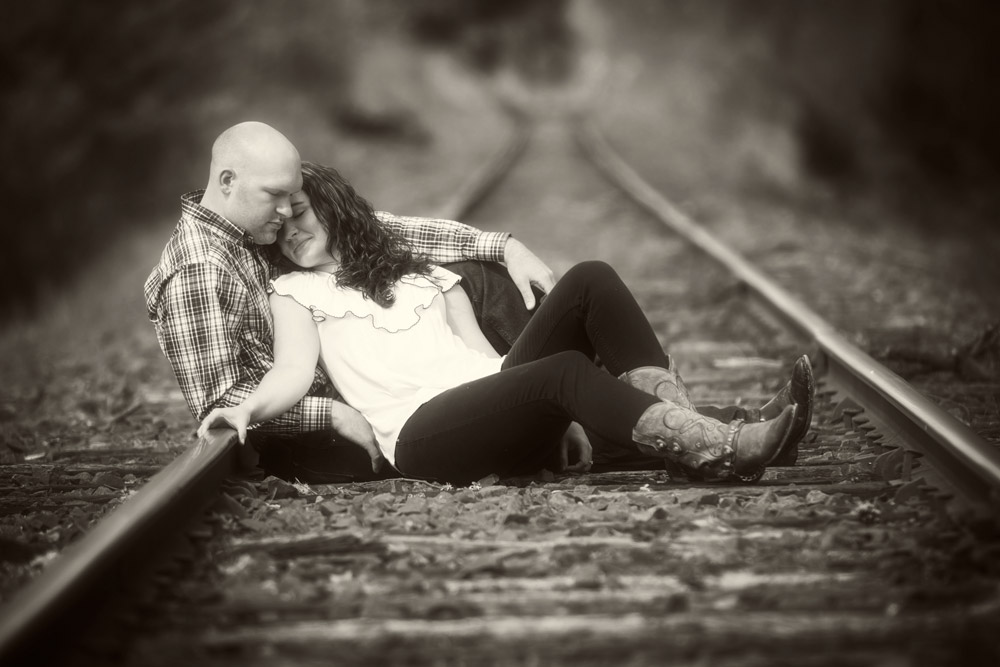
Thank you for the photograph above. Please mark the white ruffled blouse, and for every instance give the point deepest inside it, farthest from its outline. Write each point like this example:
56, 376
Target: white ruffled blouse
387, 362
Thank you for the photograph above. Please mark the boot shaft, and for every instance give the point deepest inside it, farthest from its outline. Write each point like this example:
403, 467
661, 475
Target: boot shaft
664, 383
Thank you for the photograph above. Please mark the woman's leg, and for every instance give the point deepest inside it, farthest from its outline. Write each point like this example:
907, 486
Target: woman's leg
590, 310
502, 316
497, 423
501, 422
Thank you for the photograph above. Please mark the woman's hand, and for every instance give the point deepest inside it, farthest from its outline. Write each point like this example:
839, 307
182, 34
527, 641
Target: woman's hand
236, 417
352, 425
575, 446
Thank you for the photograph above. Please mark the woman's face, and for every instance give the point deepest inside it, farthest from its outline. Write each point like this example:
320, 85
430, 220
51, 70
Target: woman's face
303, 237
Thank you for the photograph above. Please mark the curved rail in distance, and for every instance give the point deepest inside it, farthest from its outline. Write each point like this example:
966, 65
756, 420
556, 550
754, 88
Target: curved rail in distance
966, 462
129, 536
476, 188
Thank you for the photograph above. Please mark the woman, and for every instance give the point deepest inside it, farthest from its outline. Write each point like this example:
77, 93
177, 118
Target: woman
401, 344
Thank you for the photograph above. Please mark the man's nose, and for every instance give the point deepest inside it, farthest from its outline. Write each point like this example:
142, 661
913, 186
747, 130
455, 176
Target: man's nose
284, 207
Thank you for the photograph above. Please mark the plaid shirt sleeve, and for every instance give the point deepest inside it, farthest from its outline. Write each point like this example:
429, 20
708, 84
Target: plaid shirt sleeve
200, 327
445, 241
312, 413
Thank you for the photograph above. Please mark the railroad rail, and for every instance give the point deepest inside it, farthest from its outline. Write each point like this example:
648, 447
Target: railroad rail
904, 419
966, 463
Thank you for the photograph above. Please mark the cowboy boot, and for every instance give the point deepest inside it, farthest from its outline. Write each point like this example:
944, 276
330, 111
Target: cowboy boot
799, 390
667, 385
707, 448
664, 383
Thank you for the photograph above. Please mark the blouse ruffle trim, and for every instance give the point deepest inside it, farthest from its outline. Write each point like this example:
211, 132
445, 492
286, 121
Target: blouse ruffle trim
320, 293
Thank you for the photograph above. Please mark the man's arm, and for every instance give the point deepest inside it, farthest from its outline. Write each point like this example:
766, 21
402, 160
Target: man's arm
446, 241
526, 269
199, 326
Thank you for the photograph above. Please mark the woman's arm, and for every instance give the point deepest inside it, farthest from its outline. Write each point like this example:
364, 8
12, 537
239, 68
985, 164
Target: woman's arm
462, 320
296, 350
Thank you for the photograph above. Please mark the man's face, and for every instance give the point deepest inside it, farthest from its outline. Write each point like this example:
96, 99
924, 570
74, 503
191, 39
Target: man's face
260, 199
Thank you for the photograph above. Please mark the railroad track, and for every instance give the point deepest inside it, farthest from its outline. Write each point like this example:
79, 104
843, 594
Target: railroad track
616, 567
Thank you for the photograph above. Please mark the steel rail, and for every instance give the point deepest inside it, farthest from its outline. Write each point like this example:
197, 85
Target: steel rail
965, 462
102, 559
117, 544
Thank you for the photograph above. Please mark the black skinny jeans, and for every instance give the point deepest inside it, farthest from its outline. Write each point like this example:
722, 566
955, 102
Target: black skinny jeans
512, 421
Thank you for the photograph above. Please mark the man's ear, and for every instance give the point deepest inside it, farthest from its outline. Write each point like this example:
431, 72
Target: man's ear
227, 177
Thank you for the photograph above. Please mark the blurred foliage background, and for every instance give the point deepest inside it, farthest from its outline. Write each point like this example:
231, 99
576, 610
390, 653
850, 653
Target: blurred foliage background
104, 105
108, 108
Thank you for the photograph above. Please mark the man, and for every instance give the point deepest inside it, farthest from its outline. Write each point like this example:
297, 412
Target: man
208, 302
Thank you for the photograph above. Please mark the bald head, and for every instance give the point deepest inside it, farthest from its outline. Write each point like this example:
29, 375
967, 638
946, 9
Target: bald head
251, 145
255, 170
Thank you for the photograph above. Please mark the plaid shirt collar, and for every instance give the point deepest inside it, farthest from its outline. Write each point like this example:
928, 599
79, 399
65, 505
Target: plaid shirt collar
193, 211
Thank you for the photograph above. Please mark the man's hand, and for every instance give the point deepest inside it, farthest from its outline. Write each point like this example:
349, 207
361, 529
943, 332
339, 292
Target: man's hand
575, 447
526, 270
236, 417
351, 425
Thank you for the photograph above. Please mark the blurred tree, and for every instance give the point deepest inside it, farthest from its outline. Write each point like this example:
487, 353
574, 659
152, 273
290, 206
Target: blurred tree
101, 102
80, 83
941, 101
531, 37
897, 95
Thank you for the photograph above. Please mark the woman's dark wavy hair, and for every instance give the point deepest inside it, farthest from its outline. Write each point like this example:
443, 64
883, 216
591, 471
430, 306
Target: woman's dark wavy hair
372, 256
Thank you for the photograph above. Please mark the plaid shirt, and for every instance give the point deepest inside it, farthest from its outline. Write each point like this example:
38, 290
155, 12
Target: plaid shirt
207, 299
